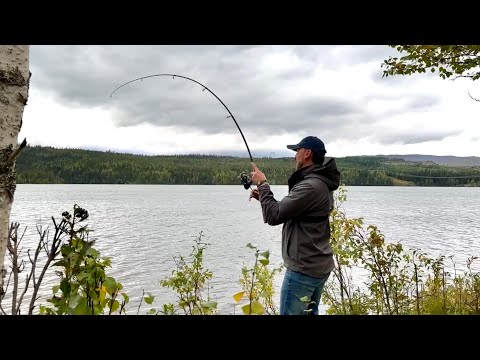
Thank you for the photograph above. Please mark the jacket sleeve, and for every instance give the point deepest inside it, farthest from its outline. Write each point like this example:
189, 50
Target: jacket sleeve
277, 212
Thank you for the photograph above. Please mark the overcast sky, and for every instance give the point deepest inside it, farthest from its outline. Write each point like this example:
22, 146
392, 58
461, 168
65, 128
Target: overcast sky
277, 94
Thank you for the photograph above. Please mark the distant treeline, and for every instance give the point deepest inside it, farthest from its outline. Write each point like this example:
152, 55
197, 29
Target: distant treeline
47, 165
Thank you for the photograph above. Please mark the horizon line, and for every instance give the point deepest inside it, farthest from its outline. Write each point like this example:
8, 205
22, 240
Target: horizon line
230, 153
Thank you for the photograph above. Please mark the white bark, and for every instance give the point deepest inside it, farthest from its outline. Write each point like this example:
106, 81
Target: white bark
14, 81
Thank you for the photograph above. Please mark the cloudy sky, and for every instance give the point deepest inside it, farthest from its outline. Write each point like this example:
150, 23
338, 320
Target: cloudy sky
277, 94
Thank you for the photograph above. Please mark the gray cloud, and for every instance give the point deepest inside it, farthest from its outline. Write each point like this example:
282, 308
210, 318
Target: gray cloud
369, 53
414, 102
259, 91
421, 102
333, 56
412, 137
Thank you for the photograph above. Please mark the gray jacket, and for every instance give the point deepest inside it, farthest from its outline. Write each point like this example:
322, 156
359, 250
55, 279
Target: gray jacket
304, 213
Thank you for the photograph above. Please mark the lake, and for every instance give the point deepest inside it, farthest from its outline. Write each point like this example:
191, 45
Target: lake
141, 227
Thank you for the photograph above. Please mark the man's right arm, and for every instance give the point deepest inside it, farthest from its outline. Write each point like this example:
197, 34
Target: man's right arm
277, 212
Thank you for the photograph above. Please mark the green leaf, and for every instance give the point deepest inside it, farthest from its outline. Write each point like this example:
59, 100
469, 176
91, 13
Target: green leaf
264, 294
65, 250
82, 276
110, 284
92, 252
55, 289
305, 299
238, 296
82, 308
65, 287
103, 302
74, 300
149, 299
209, 304
265, 254
433, 70
151, 312
264, 261
59, 263
125, 296
115, 305
249, 245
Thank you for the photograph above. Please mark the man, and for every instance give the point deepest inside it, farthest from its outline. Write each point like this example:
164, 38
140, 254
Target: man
304, 213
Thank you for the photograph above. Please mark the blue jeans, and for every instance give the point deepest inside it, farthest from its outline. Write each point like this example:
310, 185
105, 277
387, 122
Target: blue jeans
294, 287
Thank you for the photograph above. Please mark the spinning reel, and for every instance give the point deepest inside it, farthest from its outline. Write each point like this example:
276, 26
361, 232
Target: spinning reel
246, 180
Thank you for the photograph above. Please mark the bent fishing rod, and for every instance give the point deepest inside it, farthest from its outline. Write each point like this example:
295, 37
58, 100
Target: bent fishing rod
244, 177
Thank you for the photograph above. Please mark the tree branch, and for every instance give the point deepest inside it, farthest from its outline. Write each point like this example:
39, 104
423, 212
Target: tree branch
463, 76
13, 248
473, 97
51, 256
15, 153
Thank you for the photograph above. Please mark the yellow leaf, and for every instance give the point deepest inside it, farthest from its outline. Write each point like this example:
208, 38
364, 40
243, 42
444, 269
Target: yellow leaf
254, 308
238, 296
103, 292
257, 308
246, 309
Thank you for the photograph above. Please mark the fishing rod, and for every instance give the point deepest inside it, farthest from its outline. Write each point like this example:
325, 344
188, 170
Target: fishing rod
244, 177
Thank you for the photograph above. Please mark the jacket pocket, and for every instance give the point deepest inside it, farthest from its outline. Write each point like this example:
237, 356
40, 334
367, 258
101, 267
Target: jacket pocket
291, 251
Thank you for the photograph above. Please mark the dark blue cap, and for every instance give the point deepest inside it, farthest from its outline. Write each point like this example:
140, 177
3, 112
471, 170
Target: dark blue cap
310, 142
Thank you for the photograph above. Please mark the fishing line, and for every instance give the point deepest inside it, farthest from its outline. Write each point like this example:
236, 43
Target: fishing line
244, 177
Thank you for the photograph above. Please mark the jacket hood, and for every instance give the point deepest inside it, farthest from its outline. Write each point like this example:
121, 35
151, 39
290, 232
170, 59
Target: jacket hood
327, 172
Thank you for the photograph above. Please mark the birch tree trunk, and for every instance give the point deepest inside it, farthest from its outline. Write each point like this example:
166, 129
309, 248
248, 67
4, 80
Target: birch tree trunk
14, 82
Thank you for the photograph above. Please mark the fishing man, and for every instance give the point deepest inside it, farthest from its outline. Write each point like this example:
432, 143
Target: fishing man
304, 213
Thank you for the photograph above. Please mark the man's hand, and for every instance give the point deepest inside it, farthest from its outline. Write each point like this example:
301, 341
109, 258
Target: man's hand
257, 176
254, 194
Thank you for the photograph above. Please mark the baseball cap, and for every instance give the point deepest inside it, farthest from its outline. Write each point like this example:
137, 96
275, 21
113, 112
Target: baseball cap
310, 142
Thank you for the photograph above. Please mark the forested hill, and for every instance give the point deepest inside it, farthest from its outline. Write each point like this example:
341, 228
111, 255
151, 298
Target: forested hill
46, 165
440, 160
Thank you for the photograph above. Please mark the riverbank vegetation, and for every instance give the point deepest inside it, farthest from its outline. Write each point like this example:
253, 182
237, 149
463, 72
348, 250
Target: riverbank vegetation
372, 276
